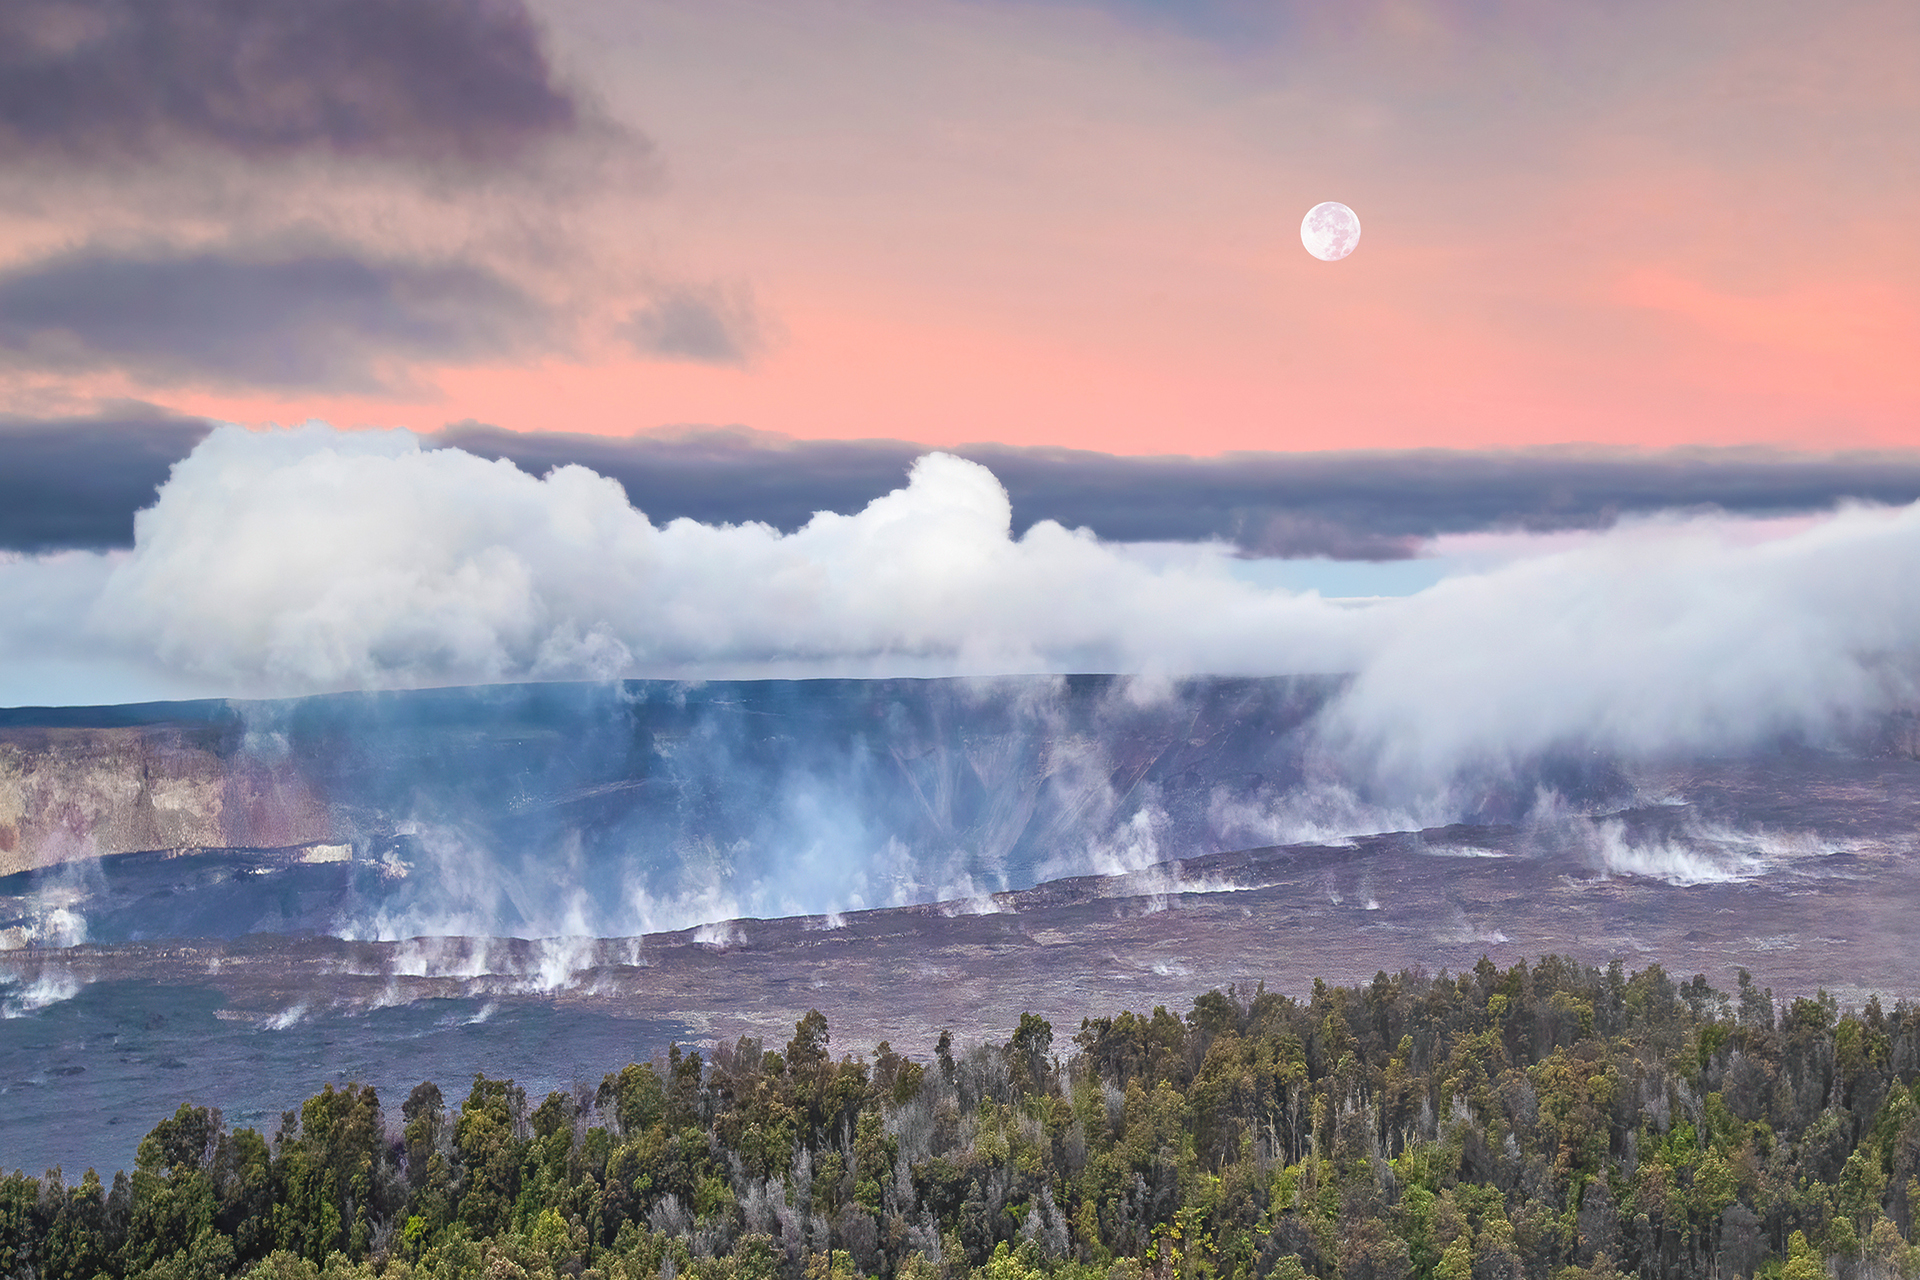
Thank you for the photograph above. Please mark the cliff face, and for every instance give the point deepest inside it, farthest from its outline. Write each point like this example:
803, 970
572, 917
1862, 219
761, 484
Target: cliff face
542, 810
618, 809
68, 793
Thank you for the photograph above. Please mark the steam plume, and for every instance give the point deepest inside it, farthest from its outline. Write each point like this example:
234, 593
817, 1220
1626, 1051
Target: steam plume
308, 560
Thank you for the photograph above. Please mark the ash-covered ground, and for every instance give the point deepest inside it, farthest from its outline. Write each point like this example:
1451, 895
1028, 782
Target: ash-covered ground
248, 978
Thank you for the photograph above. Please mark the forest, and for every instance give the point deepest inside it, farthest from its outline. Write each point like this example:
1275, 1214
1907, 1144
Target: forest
1553, 1122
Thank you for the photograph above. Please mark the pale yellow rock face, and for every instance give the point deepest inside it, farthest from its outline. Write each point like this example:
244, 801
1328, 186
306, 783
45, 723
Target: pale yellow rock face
81, 793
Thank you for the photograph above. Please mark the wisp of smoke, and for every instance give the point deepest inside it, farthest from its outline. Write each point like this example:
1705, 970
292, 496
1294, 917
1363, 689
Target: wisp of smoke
20, 996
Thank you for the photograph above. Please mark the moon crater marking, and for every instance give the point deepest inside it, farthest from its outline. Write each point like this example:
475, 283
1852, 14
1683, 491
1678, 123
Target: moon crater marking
1330, 231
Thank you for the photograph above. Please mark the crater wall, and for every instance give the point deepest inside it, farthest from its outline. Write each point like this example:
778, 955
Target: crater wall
68, 793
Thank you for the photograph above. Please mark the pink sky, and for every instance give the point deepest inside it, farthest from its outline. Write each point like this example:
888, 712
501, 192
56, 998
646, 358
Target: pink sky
1638, 224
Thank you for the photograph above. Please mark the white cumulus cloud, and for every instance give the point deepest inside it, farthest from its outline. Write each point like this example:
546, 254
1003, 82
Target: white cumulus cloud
314, 559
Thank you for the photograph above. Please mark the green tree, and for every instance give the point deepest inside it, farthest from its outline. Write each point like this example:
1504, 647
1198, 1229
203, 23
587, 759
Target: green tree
489, 1137
1028, 1054
329, 1172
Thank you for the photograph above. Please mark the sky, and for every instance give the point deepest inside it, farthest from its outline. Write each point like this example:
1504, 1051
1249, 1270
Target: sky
967, 336
1024, 222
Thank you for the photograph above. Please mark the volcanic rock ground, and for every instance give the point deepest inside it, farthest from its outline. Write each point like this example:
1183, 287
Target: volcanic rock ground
1798, 864
1841, 921
261, 1022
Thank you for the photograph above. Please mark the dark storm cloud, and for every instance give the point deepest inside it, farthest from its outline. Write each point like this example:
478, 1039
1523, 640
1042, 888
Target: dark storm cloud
76, 482
303, 320
710, 325
410, 79
1357, 506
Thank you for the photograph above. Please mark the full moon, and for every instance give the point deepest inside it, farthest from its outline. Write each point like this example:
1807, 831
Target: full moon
1330, 231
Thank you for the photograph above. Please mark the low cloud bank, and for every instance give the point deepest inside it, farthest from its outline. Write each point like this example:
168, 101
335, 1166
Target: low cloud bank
1376, 505
1371, 505
76, 482
311, 560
